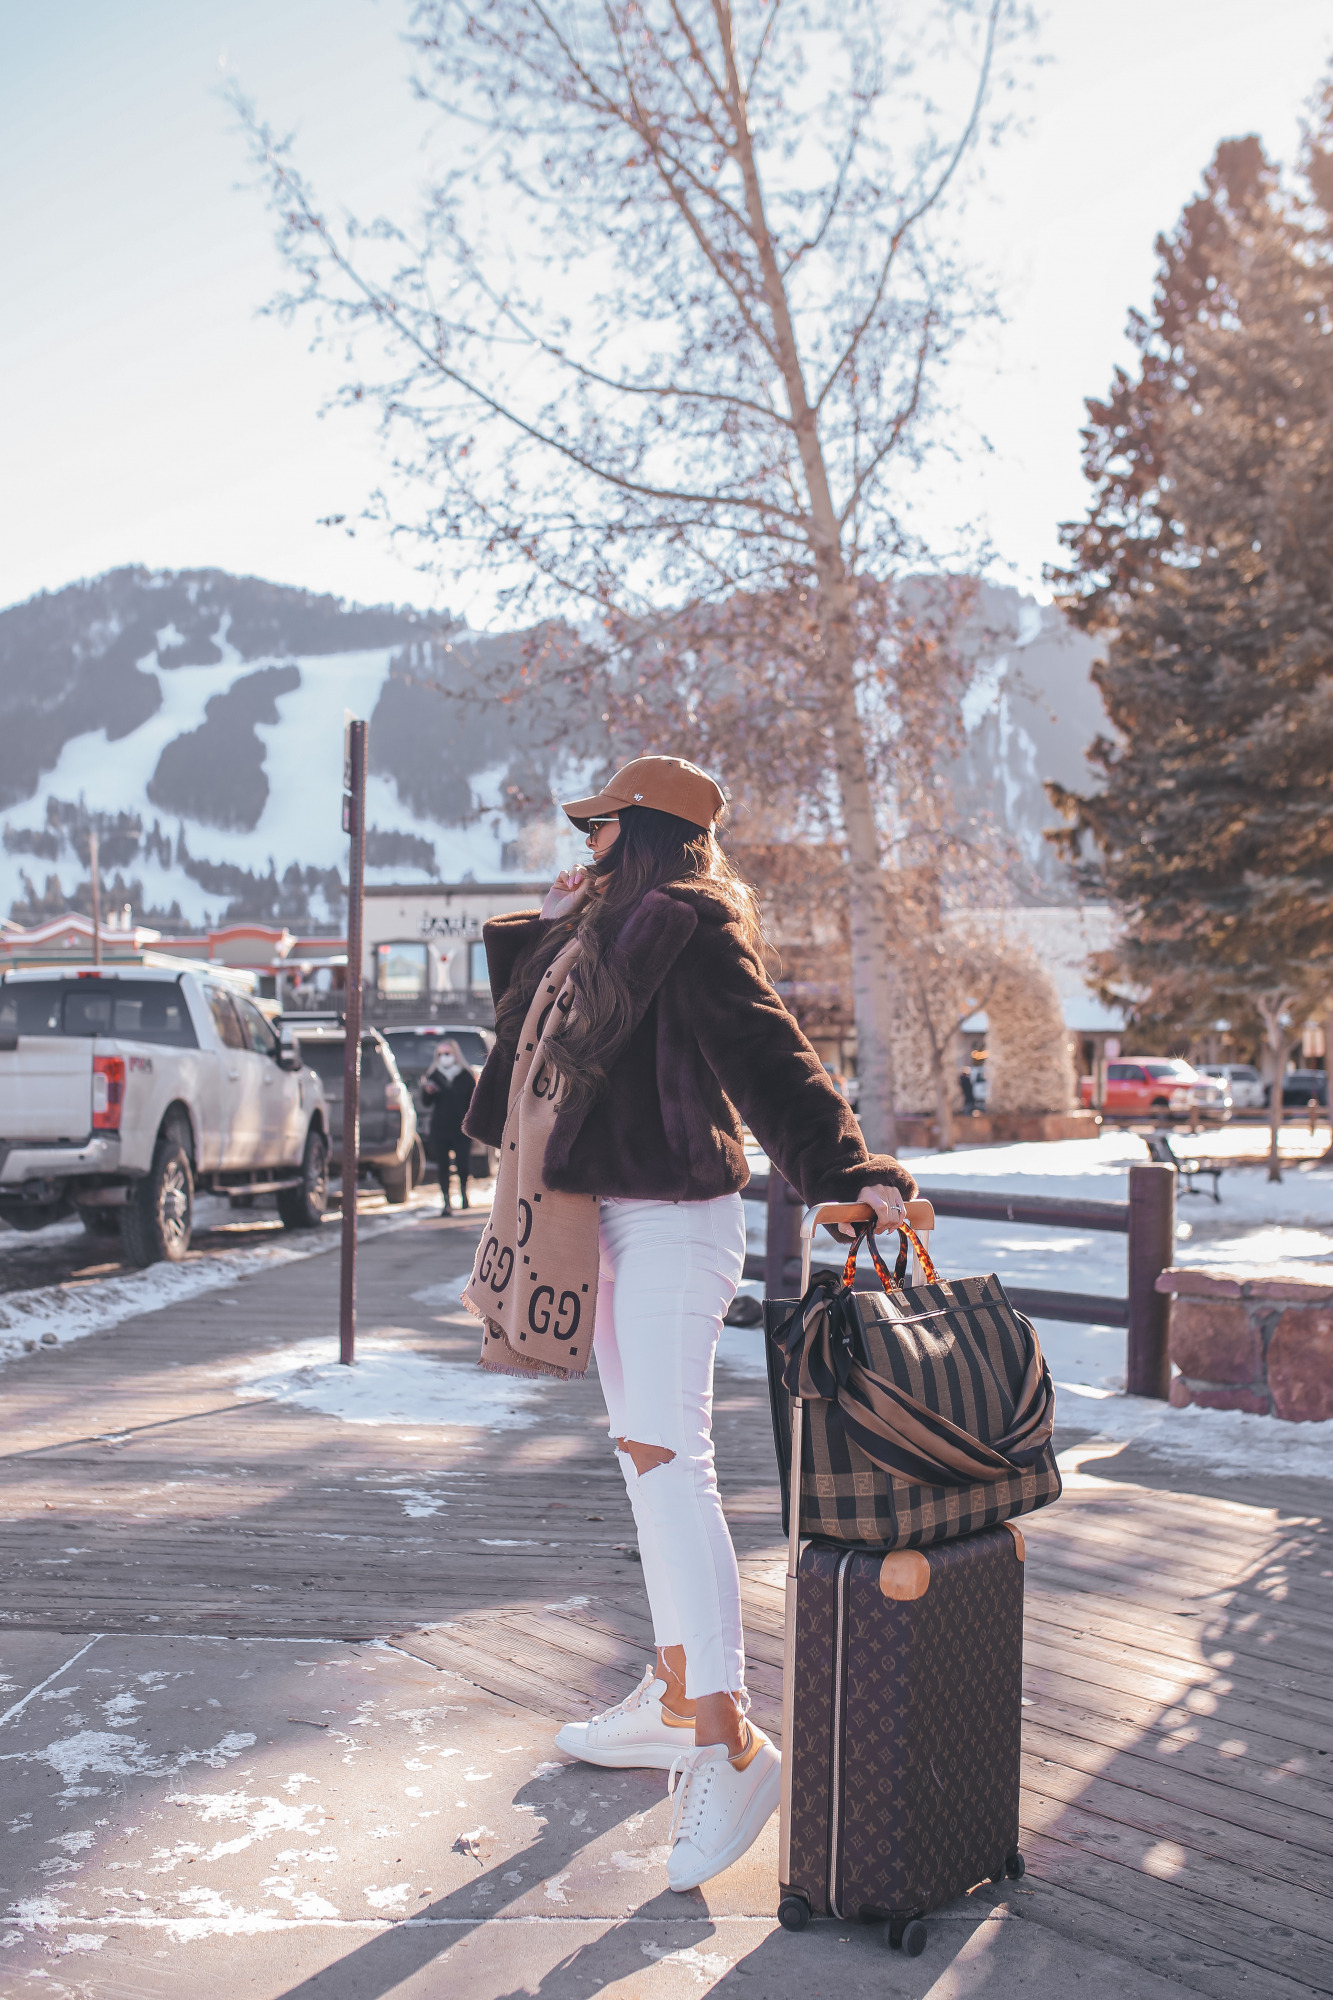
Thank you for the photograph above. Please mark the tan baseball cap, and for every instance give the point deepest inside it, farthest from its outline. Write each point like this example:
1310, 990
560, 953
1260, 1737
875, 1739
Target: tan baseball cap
667, 784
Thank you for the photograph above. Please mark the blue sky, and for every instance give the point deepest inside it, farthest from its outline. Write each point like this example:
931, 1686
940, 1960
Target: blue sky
149, 415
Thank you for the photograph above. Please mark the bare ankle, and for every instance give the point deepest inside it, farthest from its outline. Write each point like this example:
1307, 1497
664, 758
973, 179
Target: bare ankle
718, 1719
671, 1670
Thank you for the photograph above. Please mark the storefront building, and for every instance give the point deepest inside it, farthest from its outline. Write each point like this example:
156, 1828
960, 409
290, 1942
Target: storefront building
423, 946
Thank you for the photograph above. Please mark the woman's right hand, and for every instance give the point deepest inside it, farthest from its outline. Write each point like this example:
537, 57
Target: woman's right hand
569, 889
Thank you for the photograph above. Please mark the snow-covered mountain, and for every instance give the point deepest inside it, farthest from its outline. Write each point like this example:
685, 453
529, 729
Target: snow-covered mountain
198, 718
1030, 714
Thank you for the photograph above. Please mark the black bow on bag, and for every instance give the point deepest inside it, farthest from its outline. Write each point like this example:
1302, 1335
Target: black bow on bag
929, 1410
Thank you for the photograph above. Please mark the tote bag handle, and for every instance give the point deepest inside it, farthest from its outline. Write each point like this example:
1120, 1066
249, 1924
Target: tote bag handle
920, 1222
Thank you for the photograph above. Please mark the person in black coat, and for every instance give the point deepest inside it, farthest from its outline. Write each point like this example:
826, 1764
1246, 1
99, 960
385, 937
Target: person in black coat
447, 1088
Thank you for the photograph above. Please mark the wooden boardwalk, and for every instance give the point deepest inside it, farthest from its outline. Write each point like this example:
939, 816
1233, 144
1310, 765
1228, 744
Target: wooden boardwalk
1179, 1640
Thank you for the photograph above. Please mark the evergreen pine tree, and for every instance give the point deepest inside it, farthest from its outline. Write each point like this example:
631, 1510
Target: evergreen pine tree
1207, 556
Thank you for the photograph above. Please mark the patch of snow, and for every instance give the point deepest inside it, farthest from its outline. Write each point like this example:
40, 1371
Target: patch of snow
707, 1964
58, 1314
37, 1912
100, 1753
417, 1505
1029, 623
260, 1818
645, 1862
92, 1750
119, 1711
392, 1384
982, 695
1229, 1442
389, 1899
441, 1295
306, 1904
216, 1917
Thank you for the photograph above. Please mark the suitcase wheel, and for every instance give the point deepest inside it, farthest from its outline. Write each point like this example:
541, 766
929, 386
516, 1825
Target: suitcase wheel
793, 1913
906, 1934
1015, 1867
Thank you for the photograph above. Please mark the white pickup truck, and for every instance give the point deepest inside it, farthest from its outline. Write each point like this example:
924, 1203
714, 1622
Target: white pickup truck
125, 1088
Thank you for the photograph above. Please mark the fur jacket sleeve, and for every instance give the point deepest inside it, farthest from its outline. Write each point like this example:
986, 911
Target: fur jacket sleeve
711, 1047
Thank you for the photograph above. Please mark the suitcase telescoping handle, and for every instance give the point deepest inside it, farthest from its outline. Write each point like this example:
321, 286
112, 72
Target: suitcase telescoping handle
921, 1215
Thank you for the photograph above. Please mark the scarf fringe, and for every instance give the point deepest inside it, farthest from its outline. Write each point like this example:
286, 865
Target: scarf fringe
529, 1374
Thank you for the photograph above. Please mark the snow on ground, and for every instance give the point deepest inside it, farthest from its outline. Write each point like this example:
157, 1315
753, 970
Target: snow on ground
1228, 1442
55, 1315
393, 1384
1256, 1222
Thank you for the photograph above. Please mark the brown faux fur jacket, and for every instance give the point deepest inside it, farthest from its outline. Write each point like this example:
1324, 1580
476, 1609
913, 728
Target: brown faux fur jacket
710, 1040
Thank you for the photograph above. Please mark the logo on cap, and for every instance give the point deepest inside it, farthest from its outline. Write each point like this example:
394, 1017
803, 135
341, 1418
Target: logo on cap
638, 798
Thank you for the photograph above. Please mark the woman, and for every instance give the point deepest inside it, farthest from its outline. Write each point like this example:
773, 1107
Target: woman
635, 1030
447, 1088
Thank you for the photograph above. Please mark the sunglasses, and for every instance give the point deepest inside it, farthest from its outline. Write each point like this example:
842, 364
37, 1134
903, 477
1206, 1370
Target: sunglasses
608, 819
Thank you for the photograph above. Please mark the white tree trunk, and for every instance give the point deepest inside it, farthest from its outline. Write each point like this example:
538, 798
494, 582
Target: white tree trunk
1270, 1012
871, 974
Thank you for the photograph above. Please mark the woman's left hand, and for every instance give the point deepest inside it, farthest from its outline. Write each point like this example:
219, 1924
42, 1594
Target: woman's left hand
889, 1206
569, 889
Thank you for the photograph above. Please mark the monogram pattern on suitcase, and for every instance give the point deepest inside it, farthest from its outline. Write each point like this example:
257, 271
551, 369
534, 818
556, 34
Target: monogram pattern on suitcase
964, 1365
904, 1778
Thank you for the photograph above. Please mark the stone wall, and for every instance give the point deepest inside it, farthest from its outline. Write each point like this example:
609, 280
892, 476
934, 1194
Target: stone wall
1256, 1340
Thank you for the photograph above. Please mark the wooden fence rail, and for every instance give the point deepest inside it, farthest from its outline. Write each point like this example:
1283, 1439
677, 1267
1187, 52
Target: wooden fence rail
1147, 1219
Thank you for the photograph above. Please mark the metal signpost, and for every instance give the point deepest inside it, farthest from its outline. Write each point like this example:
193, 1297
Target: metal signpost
354, 825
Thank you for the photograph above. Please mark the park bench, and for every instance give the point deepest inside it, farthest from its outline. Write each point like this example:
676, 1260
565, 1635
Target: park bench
1160, 1149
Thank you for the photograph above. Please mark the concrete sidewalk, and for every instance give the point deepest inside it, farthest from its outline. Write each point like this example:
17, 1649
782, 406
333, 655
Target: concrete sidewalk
203, 1816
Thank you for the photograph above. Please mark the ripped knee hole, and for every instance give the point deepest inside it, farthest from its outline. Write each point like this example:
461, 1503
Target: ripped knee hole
644, 1456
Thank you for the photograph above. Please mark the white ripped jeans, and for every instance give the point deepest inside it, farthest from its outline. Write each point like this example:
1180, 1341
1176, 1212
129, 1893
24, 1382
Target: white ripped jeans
669, 1270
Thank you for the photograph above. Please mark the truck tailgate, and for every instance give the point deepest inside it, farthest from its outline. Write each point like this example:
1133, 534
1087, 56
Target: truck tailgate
46, 1088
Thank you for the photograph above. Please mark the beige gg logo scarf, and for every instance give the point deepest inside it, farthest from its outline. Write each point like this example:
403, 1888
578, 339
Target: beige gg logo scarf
534, 1281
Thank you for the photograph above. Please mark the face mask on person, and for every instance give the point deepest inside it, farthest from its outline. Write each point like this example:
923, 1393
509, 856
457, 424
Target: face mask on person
448, 1068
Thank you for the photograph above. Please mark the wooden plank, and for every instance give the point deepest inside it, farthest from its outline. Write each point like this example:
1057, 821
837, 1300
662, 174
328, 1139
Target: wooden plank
1183, 1640
1044, 1686
1085, 1913
1241, 1786
1273, 1867
1302, 1720
1207, 1899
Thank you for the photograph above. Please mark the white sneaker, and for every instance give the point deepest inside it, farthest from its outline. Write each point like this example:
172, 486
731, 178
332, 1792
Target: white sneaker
721, 1808
637, 1733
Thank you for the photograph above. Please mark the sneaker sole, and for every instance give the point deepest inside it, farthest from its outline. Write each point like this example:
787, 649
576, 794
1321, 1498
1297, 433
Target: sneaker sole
753, 1821
629, 1757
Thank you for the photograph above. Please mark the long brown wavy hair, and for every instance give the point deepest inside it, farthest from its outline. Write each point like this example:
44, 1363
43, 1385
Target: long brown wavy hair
654, 850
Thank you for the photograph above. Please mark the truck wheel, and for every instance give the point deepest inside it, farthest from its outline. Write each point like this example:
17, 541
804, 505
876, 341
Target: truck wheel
397, 1184
303, 1207
156, 1221
100, 1222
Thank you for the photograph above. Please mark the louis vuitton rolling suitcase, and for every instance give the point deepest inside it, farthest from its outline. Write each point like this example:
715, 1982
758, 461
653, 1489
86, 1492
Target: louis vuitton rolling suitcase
902, 1700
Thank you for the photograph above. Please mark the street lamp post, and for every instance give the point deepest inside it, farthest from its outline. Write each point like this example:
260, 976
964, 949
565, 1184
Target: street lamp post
354, 825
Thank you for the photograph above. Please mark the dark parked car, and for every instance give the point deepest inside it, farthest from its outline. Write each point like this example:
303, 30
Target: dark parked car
388, 1117
1299, 1086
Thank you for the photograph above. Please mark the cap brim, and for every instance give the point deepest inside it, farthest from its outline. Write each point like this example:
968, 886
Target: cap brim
580, 811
